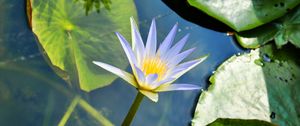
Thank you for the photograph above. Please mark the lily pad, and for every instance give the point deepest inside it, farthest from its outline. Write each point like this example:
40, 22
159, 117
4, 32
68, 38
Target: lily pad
246, 14
262, 85
282, 31
72, 40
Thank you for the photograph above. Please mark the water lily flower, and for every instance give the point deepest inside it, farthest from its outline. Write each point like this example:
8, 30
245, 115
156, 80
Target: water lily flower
154, 70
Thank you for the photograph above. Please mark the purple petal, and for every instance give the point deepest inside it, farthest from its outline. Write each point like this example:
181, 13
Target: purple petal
187, 66
140, 75
166, 44
137, 42
176, 48
178, 58
151, 78
165, 81
122, 74
174, 87
151, 40
127, 49
180, 68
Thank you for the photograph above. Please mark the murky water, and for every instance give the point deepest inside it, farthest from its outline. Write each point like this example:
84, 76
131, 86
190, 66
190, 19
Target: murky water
32, 94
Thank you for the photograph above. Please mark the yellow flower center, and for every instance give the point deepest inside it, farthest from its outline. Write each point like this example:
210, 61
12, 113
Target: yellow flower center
154, 66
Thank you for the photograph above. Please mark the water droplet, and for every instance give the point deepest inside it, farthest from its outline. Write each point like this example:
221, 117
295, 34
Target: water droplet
229, 33
22, 58
31, 56
266, 58
179, 30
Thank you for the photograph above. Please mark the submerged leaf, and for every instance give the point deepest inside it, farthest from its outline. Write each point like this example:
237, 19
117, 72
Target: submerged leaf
241, 89
73, 40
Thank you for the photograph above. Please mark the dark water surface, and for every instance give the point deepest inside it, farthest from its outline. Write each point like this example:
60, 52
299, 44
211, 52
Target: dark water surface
32, 94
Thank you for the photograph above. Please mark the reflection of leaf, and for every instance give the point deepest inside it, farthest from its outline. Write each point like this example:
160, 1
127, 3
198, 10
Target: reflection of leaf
26, 95
283, 30
244, 14
73, 40
90, 4
34, 93
252, 86
239, 122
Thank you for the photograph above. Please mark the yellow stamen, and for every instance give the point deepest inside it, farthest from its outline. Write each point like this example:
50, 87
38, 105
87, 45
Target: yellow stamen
154, 66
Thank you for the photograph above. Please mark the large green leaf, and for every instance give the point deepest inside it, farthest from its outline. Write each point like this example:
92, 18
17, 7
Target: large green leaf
72, 40
244, 14
282, 31
253, 86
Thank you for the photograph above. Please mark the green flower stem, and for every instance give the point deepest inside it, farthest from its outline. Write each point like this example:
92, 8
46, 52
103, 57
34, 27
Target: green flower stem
134, 107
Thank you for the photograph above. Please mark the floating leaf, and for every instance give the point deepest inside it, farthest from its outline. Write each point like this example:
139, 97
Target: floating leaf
73, 40
245, 14
282, 31
243, 89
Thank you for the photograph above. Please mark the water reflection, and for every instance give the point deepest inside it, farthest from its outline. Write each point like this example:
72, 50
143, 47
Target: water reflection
33, 94
90, 5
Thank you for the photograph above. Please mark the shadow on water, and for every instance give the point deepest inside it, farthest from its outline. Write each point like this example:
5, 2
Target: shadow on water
192, 14
33, 94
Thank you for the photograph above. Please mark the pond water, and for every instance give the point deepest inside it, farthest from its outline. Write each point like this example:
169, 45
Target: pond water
32, 94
